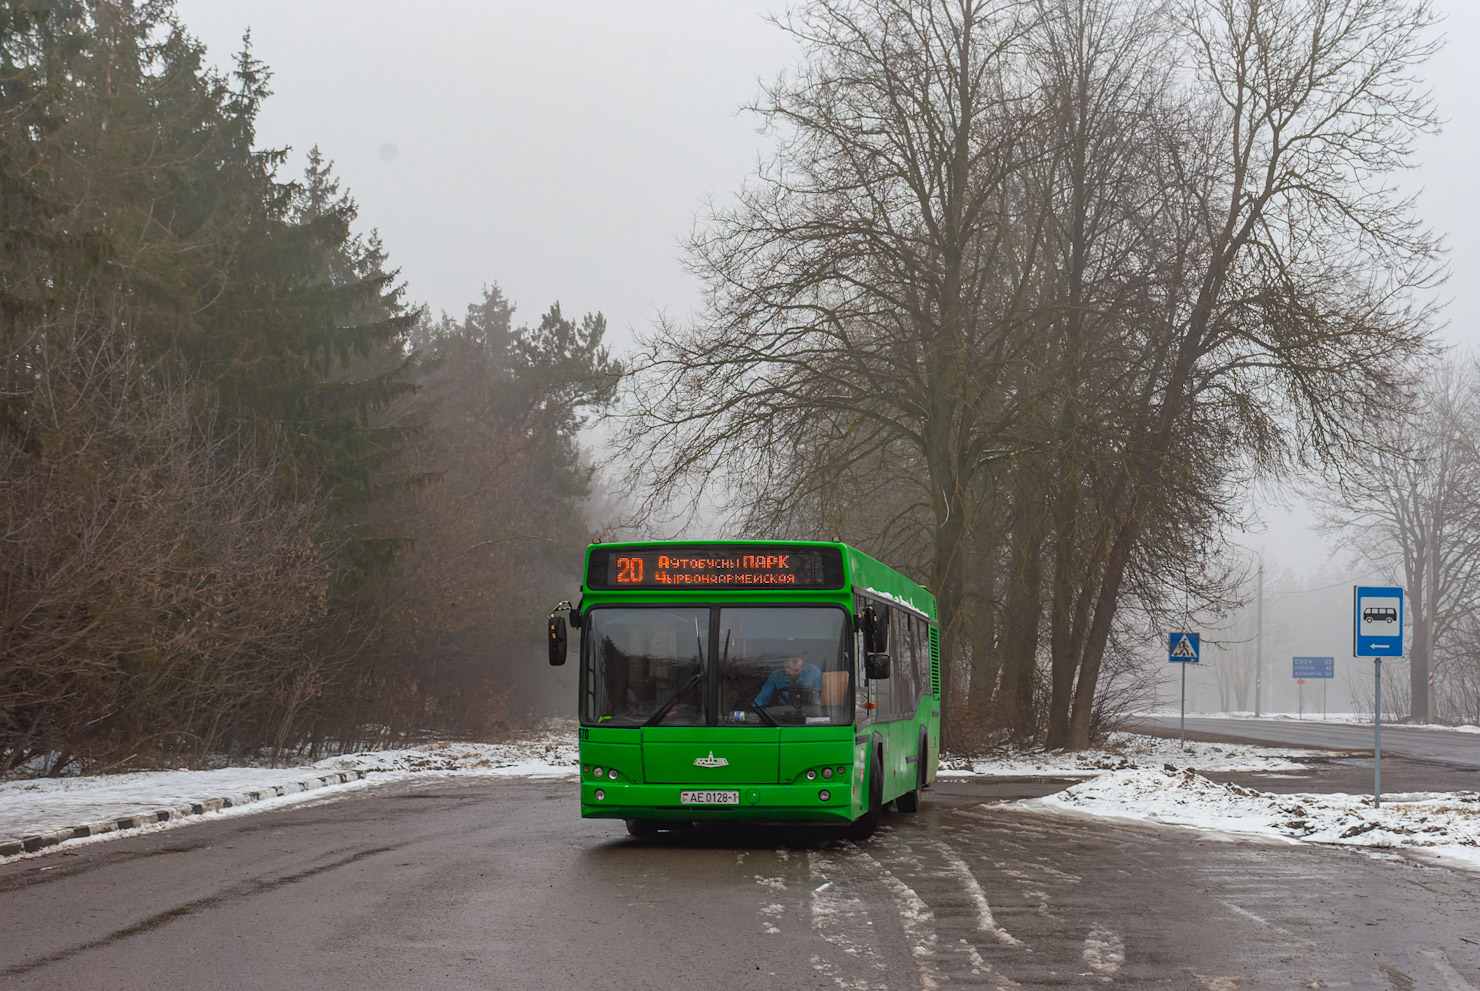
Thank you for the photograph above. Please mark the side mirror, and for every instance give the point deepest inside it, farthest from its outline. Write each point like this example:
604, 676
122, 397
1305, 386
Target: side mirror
876, 666
875, 632
557, 641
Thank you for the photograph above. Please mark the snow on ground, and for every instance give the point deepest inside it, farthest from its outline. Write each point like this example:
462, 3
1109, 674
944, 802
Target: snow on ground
1444, 826
1124, 751
1132, 777
29, 807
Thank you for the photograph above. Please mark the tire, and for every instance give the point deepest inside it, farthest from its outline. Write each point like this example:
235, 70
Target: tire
863, 827
642, 827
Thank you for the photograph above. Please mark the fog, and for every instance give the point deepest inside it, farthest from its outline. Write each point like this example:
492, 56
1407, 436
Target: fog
558, 149
562, 151
1301, 619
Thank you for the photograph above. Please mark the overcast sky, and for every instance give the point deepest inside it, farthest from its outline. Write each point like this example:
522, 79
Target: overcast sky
562, 149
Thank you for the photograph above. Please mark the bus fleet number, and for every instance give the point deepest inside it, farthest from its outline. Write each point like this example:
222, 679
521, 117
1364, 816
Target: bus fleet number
629, 570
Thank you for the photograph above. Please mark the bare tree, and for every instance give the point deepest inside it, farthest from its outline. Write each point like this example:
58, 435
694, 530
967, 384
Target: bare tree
863, 289
1009, 261
1283, 315
1457, 698
1409, 504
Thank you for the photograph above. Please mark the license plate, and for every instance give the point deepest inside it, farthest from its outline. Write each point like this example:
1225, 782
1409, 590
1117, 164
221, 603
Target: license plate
709, 797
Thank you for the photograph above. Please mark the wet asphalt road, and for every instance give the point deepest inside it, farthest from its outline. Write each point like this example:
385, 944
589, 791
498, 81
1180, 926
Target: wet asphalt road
1462, 749
500, 885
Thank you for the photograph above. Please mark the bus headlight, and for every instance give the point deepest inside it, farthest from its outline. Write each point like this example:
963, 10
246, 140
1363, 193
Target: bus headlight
600, 795
824, 795
811, 775
611, 772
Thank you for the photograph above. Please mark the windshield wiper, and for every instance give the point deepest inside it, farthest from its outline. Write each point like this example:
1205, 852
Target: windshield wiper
730, 678
766, 717
663, 710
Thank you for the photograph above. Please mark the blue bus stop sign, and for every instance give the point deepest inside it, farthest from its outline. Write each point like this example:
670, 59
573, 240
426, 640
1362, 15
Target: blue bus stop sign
1377, 621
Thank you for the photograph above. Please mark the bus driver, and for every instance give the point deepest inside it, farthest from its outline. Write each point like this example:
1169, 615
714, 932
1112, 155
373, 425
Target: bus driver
794, 672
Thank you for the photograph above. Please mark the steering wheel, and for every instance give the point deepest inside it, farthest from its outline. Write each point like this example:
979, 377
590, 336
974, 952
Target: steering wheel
796, 696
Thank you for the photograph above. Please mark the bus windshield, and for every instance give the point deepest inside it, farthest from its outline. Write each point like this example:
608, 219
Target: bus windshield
775, 666
645, 666
783, 666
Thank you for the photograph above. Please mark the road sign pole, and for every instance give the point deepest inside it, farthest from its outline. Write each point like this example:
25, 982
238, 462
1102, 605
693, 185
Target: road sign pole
1323, 699
1259, 646
1300, 700
1377, 632
1183, 648
1377, 733
1182, 723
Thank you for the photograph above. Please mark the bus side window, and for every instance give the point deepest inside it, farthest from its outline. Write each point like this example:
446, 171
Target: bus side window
901, 648
885, 690
905, 698
862, 687
921, 630
921, 652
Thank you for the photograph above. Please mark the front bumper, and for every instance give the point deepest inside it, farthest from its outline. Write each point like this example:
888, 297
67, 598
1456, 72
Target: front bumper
773, 802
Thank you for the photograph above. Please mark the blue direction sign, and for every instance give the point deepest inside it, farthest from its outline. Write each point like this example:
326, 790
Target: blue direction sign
1314, 667
1377, 621
1182, 648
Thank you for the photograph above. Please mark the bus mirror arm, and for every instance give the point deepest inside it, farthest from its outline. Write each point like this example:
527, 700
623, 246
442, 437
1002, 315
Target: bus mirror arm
573, 611
876, 666
872, 634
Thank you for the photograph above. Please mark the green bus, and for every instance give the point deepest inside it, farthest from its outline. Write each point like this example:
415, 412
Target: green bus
757, 681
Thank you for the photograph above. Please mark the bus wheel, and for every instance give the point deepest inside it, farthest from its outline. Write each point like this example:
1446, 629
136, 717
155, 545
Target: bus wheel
642, 827
863, 827
910, 800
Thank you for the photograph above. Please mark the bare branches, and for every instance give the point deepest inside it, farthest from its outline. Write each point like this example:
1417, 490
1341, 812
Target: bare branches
1069, 272
1409, 504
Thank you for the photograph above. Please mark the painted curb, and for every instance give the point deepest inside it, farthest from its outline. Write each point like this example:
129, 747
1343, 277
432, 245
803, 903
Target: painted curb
54, 837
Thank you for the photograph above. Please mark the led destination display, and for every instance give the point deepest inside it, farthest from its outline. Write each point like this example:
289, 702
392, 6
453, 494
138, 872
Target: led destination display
774, 567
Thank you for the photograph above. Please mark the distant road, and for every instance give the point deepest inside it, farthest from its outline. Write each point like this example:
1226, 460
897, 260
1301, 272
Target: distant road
1421, 744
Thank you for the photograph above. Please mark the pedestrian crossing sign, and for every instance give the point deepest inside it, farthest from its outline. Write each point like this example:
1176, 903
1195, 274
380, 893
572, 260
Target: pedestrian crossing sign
1182, 648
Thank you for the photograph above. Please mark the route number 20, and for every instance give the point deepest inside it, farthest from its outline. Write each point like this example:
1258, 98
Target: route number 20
629, 570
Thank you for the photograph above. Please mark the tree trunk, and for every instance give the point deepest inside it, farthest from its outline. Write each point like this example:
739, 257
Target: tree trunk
1419, 653
1069, 612
948, 587
1020, 625
980, 623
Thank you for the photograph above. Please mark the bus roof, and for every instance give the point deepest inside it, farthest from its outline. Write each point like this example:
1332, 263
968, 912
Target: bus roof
875, 578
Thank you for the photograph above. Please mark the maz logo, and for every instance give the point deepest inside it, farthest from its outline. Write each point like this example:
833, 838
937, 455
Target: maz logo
711, 761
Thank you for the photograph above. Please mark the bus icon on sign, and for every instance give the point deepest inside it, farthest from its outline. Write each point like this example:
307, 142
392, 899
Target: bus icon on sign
1379, 614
